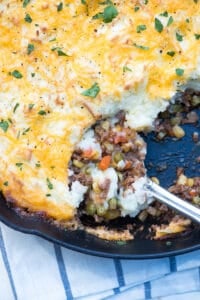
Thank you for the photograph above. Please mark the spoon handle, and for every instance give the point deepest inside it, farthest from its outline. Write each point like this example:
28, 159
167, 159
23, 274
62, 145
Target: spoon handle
173, 201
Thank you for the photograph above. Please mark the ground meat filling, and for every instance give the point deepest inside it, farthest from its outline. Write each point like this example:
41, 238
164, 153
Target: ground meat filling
187, 188
169, 223
108, 161
182, 111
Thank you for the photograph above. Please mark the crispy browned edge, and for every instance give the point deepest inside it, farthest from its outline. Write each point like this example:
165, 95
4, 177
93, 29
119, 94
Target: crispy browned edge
39, 215
75, 224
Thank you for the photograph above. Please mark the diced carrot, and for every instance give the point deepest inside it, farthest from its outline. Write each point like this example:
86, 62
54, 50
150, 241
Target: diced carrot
192, 193
128, 165
88, 153
120, 139
105, 162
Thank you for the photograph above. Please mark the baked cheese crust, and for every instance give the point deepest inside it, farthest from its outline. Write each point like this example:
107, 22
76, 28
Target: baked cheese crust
65, 64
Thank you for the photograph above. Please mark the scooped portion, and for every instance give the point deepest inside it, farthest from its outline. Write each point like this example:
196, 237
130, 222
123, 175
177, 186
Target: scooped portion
109, 161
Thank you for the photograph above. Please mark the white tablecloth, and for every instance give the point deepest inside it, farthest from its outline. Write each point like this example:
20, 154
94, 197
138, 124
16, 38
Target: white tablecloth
34, 269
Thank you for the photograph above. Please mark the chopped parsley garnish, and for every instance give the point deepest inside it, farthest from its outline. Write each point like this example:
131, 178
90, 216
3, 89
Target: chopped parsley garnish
18, 134
158, 25
59, 51
170, 21
141, 28
30, 48
26, 2
126, 69
5, 183
28, 18
171, 53
16, 74
140, 46
38, 165
179, 72
121, 243
168, 243
86, 5
48, 195
30, 106
25, 131
19, 165
105, 2
197, 36
49, 184
15, 107
92, 92
60, 6
179, 37
164, 14
187, 20
52, 40
110, 12
42, 112
136, 8
4, 125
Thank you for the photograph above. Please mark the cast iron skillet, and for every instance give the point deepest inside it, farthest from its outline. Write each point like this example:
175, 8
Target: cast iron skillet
162, 160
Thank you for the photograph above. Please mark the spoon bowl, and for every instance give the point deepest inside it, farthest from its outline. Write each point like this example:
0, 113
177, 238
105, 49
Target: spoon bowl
171, 200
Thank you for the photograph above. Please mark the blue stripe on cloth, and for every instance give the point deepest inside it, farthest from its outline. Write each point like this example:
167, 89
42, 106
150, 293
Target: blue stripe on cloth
199, 277
116, 290
63, 272
7, 265
172, 264
120, 275
147, 290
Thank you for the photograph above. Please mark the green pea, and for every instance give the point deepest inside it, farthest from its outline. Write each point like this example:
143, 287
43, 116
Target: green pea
176, 108
112, 203
87, 170
91, 209
105, 125
196, 200
112, 214
195, 100
101, 210
78, 163
118, 156
175, 121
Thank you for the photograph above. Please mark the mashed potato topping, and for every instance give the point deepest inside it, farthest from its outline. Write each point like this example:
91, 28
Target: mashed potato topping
66, 64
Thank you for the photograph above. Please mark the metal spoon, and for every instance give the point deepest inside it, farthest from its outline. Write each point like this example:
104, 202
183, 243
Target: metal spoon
173, 201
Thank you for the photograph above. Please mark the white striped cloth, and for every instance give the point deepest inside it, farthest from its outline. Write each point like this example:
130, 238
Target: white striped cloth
32, 268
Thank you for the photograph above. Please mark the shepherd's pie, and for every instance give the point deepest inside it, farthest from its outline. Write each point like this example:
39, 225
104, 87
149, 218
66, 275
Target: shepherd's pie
67, 65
